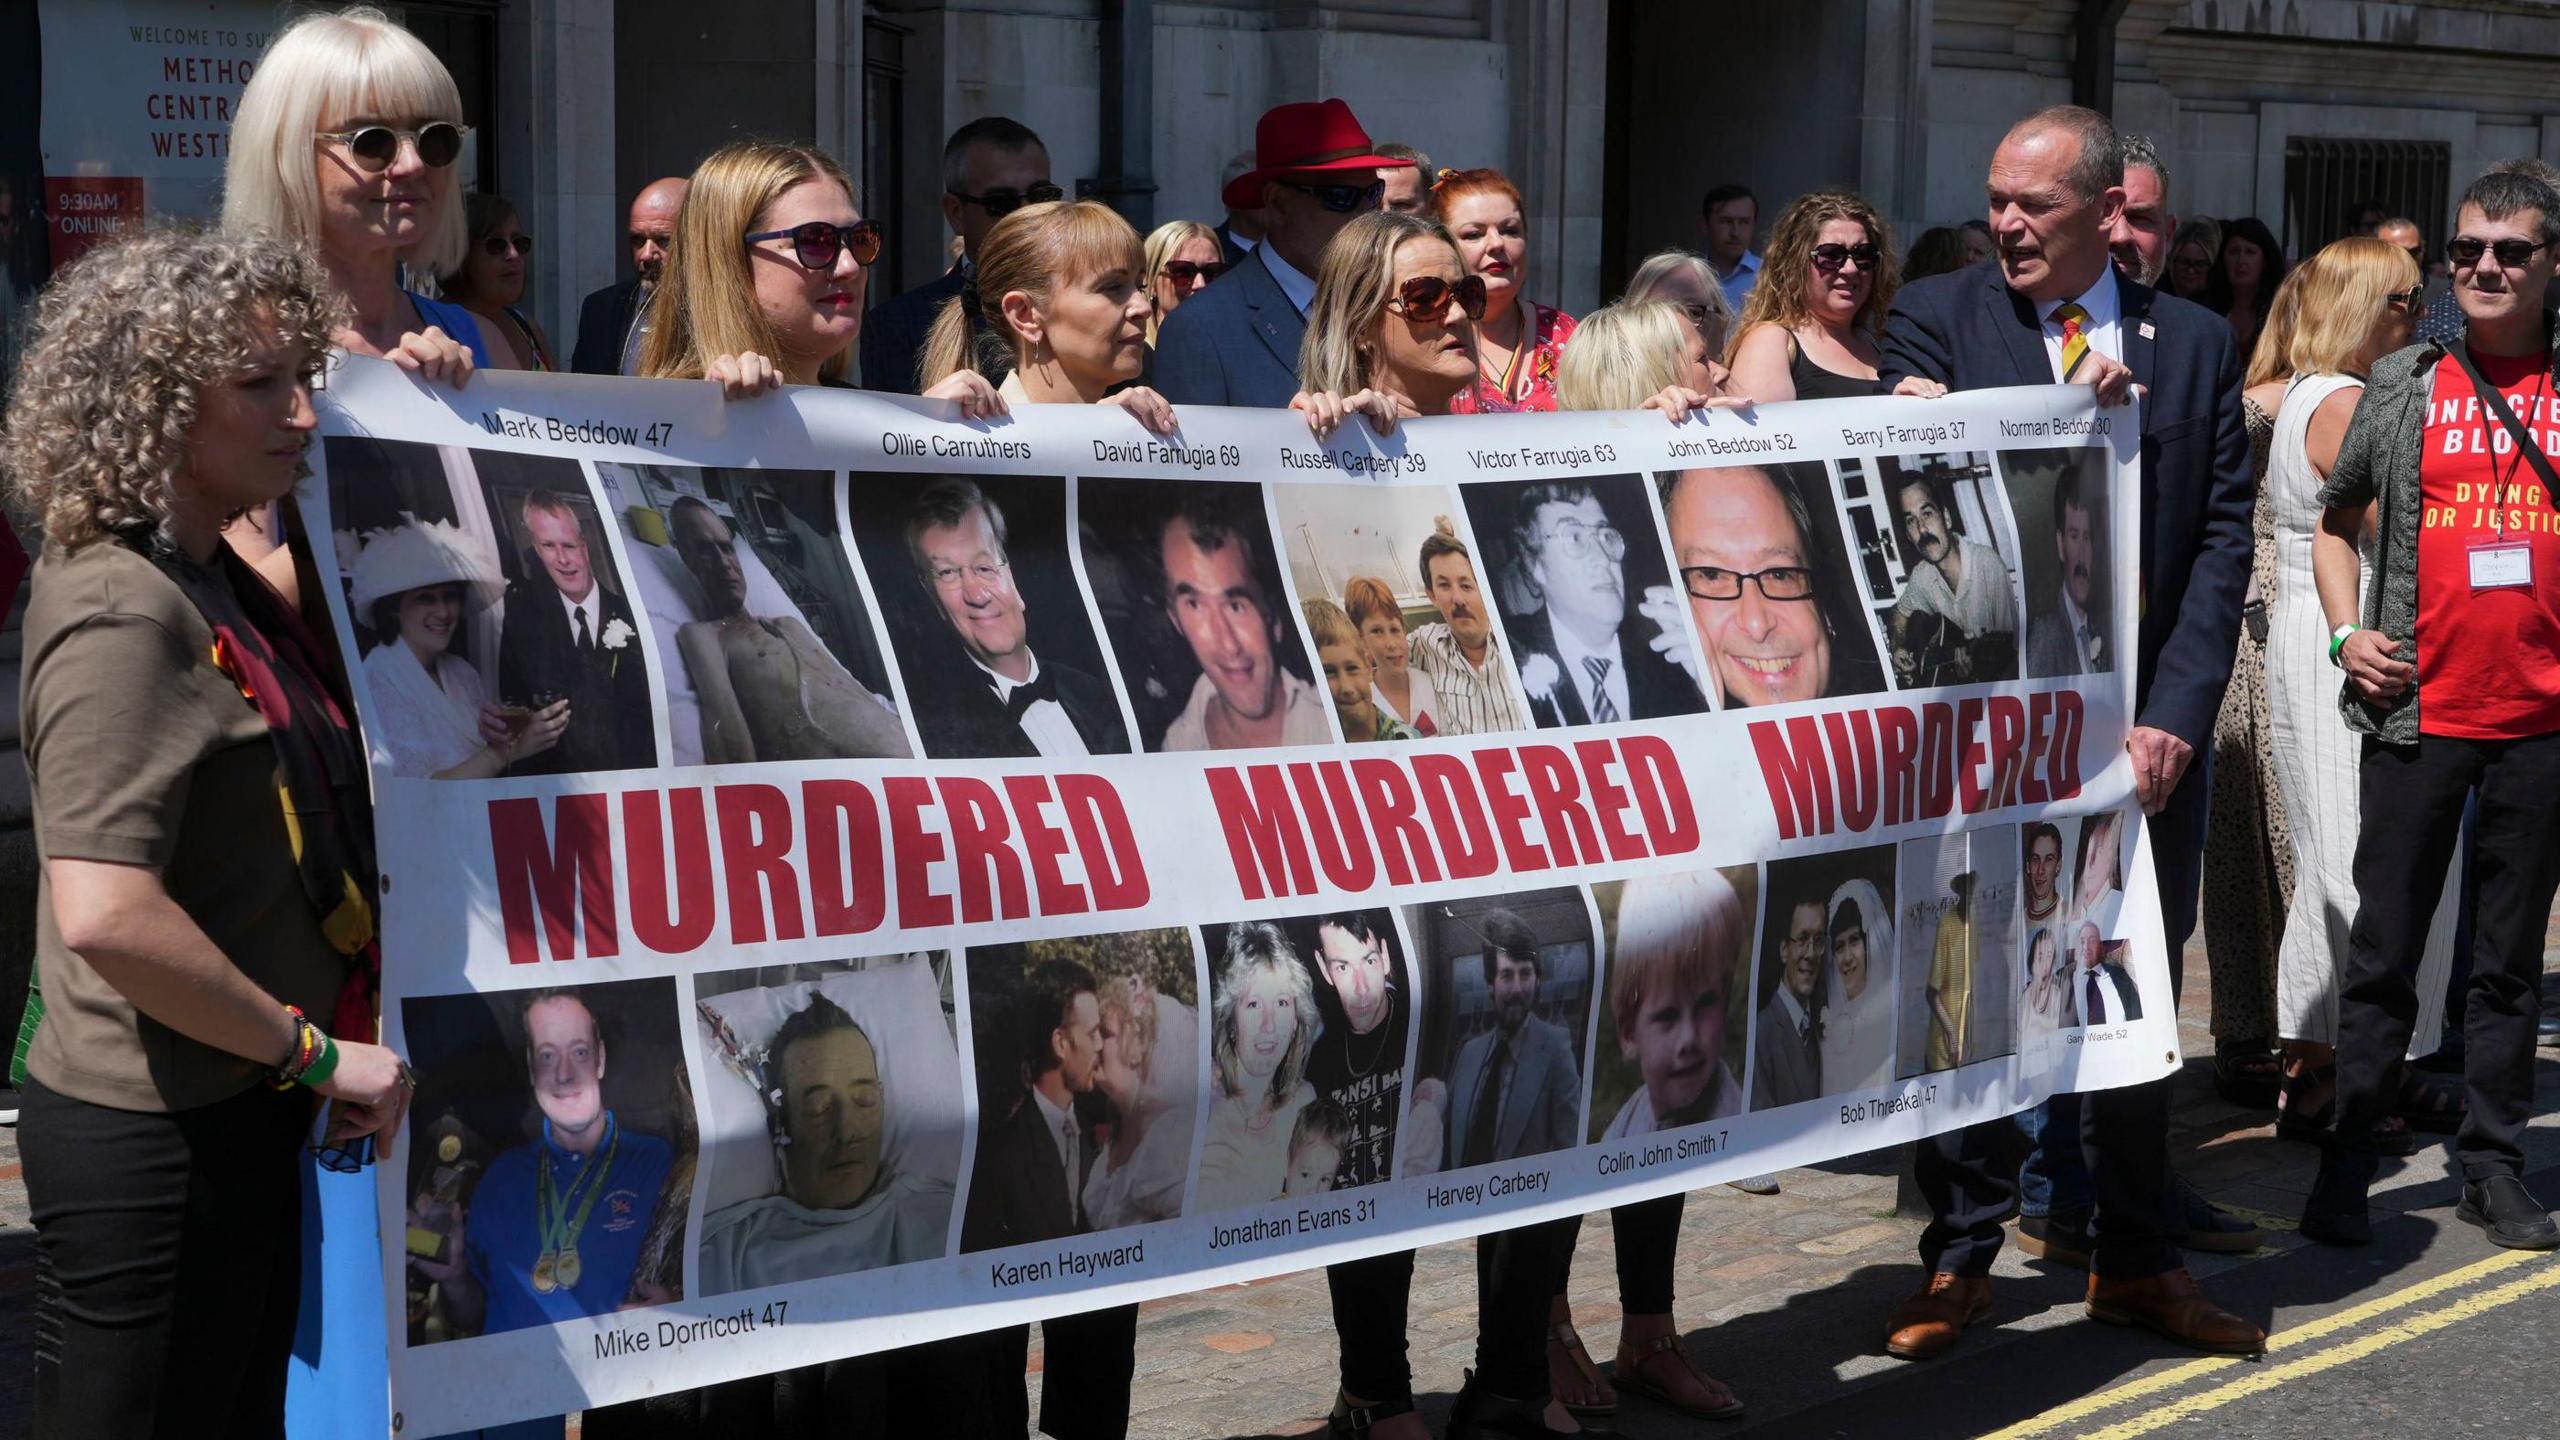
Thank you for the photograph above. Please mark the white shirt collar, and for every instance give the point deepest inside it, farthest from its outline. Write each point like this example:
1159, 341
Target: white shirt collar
1570, 653
594, 611
1057, 1120
1006, 686
2102, 300
1300, 290
1794, 1007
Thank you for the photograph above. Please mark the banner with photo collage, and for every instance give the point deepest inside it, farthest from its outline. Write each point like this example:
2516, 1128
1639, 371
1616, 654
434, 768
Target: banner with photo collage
853, 876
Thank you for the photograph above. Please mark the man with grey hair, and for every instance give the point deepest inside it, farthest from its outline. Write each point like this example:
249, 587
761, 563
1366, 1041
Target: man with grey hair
2054, 309
991, 167
2453, 673
2140, 240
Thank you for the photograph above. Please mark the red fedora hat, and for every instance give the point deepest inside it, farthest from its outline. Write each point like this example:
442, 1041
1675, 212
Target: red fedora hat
1304, 139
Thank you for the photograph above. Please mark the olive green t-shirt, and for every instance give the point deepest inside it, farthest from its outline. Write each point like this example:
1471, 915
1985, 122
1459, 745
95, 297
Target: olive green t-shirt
140, 752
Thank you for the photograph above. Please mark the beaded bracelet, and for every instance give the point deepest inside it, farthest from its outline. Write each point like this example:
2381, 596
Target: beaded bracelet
314, 1057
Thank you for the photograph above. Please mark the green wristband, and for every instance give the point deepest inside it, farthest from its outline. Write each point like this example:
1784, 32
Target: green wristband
322, 1068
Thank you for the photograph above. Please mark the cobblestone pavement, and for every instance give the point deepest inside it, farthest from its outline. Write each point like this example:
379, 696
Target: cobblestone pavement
1782, 1296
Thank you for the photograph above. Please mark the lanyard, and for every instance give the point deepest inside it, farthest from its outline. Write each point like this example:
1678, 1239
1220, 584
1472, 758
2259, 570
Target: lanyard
2527, 452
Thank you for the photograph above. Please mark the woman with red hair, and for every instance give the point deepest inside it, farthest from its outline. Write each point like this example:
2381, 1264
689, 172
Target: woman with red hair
1519, 340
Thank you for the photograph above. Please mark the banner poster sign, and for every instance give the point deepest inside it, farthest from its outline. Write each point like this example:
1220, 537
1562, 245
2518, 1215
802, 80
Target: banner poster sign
853, 876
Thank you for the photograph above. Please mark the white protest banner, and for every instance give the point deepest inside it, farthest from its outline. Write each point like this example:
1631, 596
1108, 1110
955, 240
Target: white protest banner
853, 876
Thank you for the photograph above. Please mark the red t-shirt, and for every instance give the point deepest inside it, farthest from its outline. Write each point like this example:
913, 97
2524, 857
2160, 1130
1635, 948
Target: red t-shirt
2488, 659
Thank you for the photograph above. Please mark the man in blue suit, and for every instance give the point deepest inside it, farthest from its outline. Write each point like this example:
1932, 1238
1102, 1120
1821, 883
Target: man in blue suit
1236, 343
2050, 307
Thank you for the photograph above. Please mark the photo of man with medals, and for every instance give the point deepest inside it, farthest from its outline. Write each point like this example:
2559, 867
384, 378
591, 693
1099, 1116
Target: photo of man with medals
555, 1229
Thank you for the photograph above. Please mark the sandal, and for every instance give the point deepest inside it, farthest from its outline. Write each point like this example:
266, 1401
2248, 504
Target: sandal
2247, 1074
2434, 1106
1561, 1336
2301, 1117
1631, 1376
1350, 1421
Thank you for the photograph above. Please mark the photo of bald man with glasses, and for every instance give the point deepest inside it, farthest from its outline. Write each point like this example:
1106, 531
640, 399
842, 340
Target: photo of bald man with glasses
1597, 630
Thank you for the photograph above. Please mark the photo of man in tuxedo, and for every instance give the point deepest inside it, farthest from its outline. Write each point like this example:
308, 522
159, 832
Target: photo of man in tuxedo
568, 636
996, 695
1598, 633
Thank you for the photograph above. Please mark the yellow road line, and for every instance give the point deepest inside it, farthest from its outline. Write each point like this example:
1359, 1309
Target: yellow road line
2066, 1415
2362, 1346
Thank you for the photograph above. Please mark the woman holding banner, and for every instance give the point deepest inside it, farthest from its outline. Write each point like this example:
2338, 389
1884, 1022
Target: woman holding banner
1648, 355
187, 926
348, 139
1062, 279
1811, 329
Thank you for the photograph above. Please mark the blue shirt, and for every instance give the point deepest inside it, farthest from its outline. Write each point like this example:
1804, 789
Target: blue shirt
505, 1234
1737, 286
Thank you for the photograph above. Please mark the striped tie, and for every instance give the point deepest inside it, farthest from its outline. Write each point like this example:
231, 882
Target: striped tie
2075, 338
1604, 711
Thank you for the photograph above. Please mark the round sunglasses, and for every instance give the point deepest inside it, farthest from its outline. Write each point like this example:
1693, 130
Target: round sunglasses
817, 244
1425, 299
374, 147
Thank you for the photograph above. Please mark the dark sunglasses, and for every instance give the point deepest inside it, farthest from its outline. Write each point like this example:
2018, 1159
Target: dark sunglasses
438, 142
2466, 250
1184, 271
498, 247
1343, 199
817, 244
1000, 203
1424, 299
2409, 301
639, 239
1828, 258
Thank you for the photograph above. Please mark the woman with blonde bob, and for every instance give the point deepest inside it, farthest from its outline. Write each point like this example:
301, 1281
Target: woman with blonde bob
1182, 258
2356, 301
196, 938
347, 140
764, 284
1059, 281
1812, 328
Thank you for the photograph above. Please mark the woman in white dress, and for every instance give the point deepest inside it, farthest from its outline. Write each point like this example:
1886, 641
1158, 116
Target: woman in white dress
1148, 1041
1262, 1024
2359, 302
432, 715
1857, 1010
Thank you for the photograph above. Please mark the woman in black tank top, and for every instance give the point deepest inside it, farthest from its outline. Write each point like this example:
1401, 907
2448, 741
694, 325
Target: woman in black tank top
1810, 328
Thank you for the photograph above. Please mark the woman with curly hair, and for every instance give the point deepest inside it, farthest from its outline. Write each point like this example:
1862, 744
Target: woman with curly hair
1811, 328
193, 936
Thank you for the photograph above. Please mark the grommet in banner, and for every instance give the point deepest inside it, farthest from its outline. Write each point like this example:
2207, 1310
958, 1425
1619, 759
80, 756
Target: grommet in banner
2171, 1057
397, 1420
386, 884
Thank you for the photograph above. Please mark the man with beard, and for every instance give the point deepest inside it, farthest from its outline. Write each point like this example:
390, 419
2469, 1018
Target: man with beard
1004, 700
608, 320
2067, 637
1573, 649
1514, 1088
1477, 694
555, 1227
1787, 1067
1957, 620
1680, 942
769, 688
2146, 230
1218, 585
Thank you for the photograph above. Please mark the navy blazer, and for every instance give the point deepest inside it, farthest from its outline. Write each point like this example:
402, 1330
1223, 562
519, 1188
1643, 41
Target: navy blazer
1235, 343
604, 322
1970, 331
893, 334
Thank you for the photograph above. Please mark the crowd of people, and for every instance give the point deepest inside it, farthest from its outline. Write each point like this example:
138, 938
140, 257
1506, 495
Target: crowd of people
2321, 442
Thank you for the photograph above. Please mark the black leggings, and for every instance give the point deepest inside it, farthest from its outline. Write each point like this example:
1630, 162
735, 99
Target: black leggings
1647, 1235
168, 1264
1517, 1275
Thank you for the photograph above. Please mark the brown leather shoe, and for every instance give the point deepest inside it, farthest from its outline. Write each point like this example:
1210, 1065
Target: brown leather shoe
1928, 1324
2170, 1304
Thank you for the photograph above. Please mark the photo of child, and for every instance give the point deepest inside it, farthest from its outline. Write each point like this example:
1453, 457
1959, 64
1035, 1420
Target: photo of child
1349, 677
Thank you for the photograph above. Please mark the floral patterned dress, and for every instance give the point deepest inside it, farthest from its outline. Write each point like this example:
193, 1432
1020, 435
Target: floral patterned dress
1536, 390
